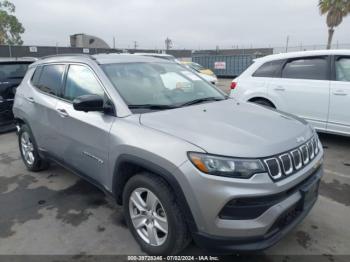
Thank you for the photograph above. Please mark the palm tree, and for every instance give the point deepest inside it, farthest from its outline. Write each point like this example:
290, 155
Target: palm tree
336, 10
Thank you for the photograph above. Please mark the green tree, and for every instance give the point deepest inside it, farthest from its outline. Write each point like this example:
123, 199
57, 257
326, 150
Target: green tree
336, 10
10, 28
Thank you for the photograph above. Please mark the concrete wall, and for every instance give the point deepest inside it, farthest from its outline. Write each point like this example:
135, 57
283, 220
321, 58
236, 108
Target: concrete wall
39, 51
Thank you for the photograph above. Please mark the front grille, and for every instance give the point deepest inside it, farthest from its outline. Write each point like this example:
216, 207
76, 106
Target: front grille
274, 167
290, 162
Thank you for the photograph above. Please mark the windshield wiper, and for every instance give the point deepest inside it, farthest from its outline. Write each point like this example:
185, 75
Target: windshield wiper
151, 106
201, 100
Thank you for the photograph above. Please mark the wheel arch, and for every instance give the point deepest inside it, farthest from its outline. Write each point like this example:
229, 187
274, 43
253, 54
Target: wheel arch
256, 98
129, 165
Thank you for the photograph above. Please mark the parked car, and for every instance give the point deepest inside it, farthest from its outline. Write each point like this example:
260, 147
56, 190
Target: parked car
12, 71
199, 68
183, 159
314, 85
207, 74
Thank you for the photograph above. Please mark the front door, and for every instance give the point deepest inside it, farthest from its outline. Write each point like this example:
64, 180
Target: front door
86, 134
339, 116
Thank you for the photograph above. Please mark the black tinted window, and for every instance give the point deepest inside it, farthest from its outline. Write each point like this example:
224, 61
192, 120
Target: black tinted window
81, 81
36, 75
51, 79
13, 70
306, 68
342, 68
269, 69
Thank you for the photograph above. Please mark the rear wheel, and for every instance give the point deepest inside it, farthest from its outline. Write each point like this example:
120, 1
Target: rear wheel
29, 151
153, 215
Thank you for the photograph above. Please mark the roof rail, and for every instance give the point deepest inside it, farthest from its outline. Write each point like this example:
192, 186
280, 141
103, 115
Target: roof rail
68, 54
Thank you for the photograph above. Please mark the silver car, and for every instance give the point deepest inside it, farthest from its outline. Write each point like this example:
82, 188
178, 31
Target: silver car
184, 160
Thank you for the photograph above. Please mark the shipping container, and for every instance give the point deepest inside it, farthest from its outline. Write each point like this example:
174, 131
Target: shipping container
225, 66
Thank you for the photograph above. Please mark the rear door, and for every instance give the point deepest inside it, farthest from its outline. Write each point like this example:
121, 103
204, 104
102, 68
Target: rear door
303, 89
339, 111
85, 134
41, 107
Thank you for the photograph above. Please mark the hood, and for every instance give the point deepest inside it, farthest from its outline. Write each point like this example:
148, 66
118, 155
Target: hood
232, 128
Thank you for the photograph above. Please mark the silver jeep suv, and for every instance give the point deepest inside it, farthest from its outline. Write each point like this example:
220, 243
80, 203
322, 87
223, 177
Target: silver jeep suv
184, 160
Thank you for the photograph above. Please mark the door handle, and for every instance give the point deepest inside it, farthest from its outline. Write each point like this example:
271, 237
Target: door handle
30, 100
279, 88
62, 112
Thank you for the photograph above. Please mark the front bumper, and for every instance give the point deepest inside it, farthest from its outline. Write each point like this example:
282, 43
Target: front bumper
281, 227
207, 195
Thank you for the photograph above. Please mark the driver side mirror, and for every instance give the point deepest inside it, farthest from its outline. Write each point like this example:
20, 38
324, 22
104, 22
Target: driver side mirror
88, 103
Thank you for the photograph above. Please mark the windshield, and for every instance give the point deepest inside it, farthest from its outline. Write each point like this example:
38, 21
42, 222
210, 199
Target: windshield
13, 70
166, 84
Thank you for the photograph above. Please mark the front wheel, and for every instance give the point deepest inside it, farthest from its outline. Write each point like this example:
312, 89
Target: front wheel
153, 215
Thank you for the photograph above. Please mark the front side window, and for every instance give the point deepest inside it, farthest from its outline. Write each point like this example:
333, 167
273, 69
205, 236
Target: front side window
306, 68
342, 69
167, 84
81, 81
50, 80
269, 69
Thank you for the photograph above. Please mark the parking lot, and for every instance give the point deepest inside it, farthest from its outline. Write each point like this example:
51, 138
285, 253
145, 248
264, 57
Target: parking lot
55, 212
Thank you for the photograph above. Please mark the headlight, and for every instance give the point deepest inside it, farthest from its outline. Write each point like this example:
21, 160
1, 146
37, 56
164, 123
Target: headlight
224, 166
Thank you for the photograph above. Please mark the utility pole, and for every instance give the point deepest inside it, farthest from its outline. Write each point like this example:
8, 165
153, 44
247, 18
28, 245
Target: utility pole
287, 43
113, 42
10, 51
135, 45
168, 43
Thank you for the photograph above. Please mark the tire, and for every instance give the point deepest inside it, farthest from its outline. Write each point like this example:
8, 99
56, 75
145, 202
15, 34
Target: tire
177, 236
29, 150
263, 102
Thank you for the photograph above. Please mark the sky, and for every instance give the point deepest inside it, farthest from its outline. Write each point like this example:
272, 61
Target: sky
192, 24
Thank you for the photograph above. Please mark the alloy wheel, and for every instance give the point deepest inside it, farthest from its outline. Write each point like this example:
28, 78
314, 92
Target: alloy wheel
27, 148
148, 216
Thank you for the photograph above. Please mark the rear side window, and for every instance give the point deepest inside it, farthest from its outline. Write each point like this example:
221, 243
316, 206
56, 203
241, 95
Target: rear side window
50, 79
36, 75
306, 68
342, 69
269, 69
